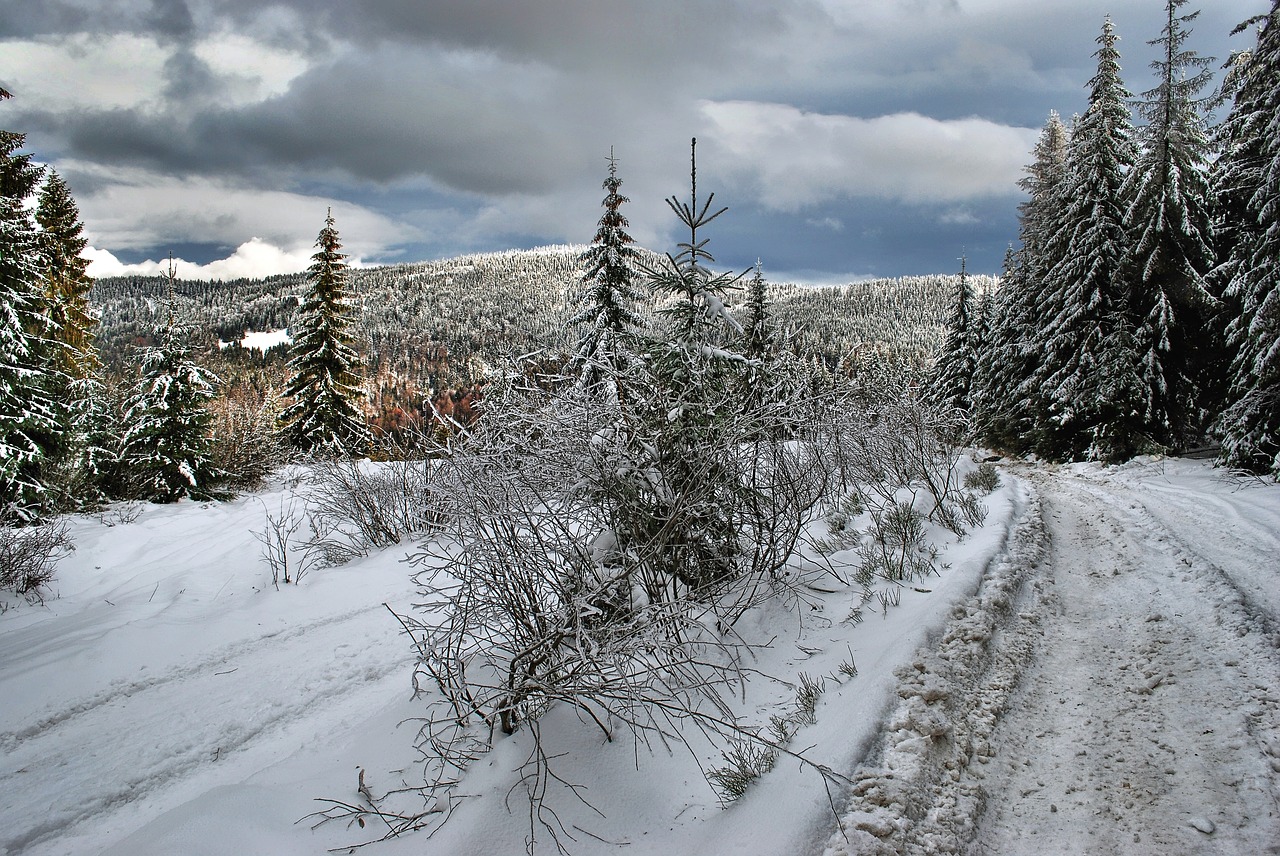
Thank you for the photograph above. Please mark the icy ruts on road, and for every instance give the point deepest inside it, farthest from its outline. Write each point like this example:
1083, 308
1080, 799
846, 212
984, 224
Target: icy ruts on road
1111, 689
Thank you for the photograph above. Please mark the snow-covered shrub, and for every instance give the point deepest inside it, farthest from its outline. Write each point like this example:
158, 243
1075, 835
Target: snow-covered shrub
842, 528
899, 442
895, 549
748, 759
595, 560
29, 555
358, 506
745, 761
984, 479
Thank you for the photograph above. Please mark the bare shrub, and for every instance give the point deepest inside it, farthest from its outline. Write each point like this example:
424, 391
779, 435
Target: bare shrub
903, 443
984, 479
595, 562
359, 506
29, 555
245, 445
289, 557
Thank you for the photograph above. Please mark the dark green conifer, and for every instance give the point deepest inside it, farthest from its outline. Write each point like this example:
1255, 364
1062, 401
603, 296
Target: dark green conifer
326, 382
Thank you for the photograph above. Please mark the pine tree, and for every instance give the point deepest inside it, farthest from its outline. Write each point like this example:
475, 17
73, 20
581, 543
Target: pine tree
1250, 425
759, 338
698, 313
606, 313
1004, 408
29, 428
1171, 239
76, 387
1086, 296
949, 384
325, 381
165, 448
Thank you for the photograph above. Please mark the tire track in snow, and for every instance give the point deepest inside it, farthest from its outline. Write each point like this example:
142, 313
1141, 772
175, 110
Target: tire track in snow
226, 656
1240, 541
138, 740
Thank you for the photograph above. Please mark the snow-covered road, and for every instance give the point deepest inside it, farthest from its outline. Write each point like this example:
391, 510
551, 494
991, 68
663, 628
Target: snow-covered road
1150, 722
1114, 687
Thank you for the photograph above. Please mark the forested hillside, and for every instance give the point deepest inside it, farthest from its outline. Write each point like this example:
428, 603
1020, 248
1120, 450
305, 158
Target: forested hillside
445, 325
481, 306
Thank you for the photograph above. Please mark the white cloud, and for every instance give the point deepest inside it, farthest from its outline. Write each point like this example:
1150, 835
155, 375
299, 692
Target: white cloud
260, 70
84, 71
799, 158
252, 259
133, 209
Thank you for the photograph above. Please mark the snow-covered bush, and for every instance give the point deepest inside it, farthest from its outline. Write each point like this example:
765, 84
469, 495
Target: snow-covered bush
984, 478
895, 549
358, 506
29, 555
897, 442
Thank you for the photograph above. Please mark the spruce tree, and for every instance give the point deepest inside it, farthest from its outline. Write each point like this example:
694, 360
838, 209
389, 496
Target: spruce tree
325, 382
682, 491
66, 280
29, 429
759, 338
1087, 297
165, 446
606, 314
1171, 251
75, 379
696, 310
1004, 413
1250, 425
949, 384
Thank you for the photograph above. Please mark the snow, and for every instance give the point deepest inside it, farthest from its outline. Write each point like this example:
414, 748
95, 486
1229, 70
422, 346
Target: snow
262, 340
1103, 626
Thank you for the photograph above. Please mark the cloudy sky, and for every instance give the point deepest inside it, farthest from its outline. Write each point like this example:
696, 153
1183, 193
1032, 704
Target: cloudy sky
848, 137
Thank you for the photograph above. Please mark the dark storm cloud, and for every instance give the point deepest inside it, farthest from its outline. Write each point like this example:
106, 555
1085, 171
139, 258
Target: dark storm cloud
606, 37
40, 18
502, 110
380, 116
171, 19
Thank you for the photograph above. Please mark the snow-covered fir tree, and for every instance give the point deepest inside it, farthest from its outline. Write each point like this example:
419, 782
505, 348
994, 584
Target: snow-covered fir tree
29, 429
1085, 296
1003, 409
325, 381
1171, 249
607, 347
165, 446
949, 384
1250, 170
759, 335
76, 385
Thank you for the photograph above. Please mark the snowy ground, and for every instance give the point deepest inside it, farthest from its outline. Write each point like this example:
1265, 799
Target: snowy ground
1098, 670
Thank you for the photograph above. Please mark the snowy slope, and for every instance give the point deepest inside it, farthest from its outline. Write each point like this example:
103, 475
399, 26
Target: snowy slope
167, 700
